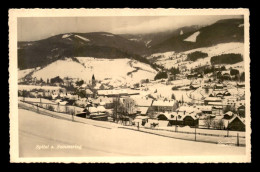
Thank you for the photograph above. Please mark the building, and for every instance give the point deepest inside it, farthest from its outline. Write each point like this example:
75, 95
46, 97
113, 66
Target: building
241, 111
117, 93
182, 119
236, 124
97, 113
218, 87
89, 93
205, 109
210, 100
164, 105
107, 102
228, 115
191, 120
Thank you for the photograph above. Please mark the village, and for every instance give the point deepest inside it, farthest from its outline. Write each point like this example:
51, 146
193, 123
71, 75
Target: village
208, 98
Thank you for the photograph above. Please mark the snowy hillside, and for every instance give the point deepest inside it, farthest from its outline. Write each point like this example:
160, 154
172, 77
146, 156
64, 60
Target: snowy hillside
193, 37
23, 73
120, 71
172, 59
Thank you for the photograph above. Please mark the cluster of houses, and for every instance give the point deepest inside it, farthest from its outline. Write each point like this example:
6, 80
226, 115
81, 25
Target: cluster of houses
103, 103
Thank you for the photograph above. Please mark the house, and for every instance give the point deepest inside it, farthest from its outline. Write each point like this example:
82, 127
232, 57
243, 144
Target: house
218, 87
205, 109
226, 93
107, 102
236, 124
219, 93
142, 105
188, 109
191, 119
140, 120
228, 115
176, 118
164, 105
226, 75
241, 111
142, 110
89, 93
210, 100
240, 85
230, 100
97, 113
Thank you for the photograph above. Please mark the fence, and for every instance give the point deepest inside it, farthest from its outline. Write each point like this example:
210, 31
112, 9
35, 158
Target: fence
66, 109
187, 132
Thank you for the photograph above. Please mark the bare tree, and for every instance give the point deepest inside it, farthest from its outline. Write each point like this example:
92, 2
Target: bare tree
208, 122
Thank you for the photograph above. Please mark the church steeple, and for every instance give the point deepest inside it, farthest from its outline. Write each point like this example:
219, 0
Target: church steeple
93, 80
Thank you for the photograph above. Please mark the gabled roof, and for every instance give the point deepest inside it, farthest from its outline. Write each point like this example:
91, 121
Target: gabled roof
162, 103
236, 116
143, 110
88, 91
229, 113
143, 102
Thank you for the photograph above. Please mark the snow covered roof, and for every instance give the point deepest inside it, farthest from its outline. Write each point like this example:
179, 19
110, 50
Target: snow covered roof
188, 109
216, 103
143, 110
141, 117
212, 99
97, 109
62, 102
204, 108
88, 91
172, 116
164, 103
229, 113
225, 72
192, 115
102, 100
143, 102
236, 116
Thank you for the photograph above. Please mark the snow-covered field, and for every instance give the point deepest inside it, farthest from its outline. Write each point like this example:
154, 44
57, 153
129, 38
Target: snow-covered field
86, 140
111, 70
223, 48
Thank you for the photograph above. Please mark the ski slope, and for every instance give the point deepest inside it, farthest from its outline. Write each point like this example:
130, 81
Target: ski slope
113, 71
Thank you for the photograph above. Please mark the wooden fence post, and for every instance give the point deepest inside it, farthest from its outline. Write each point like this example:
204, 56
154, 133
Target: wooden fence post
237, 139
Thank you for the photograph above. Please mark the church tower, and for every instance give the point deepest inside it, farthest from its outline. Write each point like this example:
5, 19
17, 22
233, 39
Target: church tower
93, 80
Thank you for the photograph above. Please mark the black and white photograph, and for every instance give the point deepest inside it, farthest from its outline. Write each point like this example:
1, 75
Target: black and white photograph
129, 85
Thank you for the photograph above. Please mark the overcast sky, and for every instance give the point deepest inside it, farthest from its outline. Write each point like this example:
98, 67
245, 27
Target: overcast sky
36, 28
